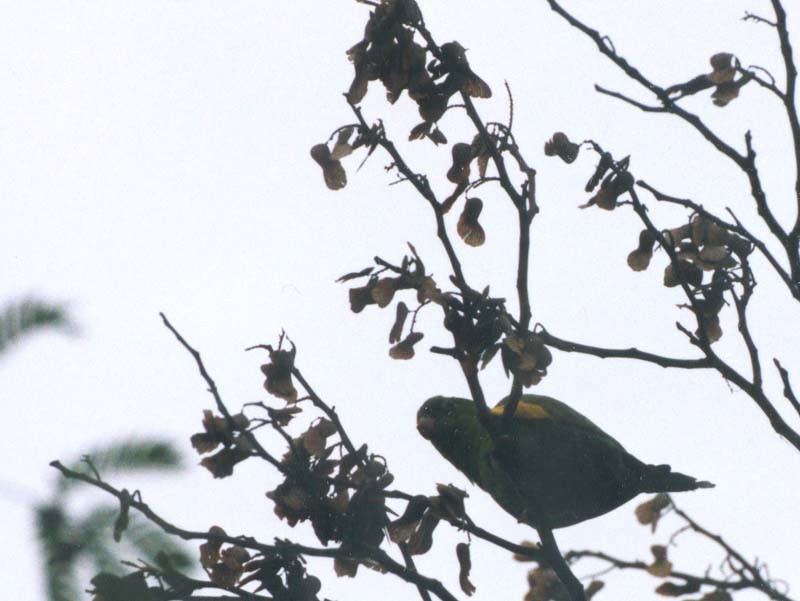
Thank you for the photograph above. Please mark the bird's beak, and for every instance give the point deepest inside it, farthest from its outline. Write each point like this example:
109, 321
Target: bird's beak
426, 426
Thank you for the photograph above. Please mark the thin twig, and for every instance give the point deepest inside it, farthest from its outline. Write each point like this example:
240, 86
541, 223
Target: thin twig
212, 388
626, 353
788, 392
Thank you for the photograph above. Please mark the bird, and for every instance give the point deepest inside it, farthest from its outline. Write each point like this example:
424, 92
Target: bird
551, 468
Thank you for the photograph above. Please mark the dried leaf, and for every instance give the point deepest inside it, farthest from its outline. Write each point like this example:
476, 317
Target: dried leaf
404, 350
422, 539
651, 511
545, 586
661, 566
605, 163
209, 550
221, 465
360, 298
279, 375
437, 137
401, 529
673, 589
382, 291
450, 502
420, 131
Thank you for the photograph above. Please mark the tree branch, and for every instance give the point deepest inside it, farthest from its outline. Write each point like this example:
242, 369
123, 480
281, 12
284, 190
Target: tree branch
628, 353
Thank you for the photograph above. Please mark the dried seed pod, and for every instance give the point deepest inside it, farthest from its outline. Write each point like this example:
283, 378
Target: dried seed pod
639, 259
740, 246
727, 91
707, 232
462, 155
690, 272
468, 226
342, 147
724, 65
560, 146
465, 565
676, 234
712, 257
399, 320
613, 186
332, 170
712, 328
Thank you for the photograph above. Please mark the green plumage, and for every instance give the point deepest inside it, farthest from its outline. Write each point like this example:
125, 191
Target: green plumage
554, 469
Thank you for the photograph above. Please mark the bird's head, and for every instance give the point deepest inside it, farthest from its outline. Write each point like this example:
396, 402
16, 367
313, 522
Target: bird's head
443, 416
451, 425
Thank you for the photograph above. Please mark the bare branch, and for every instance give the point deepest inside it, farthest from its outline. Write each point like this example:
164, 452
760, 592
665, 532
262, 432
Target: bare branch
628, 353
646, 108
748, 16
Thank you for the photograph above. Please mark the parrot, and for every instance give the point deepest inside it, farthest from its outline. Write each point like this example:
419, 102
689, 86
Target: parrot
552, 468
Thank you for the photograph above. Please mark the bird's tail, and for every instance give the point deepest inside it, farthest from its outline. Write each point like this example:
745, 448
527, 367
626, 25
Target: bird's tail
661, 478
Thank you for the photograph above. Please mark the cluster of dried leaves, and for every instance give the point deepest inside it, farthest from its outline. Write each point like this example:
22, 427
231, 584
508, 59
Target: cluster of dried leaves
282, 575
414, 528
544, 585
479, 324
725, 67
650, 513
389, 53
698, 247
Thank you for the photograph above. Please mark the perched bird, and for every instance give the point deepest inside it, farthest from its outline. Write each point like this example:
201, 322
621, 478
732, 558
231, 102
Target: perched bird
552, 468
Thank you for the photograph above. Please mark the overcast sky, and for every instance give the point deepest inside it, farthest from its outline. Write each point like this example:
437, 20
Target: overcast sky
154, 157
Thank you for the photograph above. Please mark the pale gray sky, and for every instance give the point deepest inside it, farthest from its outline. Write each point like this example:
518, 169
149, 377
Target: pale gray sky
154, 157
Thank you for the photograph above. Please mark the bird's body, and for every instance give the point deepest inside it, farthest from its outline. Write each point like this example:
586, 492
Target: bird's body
552, 468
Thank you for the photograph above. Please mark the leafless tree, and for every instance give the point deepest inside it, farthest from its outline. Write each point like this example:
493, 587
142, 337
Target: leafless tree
342, 487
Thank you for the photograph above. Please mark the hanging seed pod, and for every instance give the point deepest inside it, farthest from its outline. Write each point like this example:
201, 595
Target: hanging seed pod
468, 227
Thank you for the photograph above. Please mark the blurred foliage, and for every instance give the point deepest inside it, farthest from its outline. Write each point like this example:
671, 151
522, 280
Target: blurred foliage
71, 538
23, 317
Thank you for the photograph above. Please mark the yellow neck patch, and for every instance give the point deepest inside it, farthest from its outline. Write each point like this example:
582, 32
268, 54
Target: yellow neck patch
525, 410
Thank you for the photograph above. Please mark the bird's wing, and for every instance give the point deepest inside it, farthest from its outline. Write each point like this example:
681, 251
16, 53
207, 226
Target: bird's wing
538, 407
